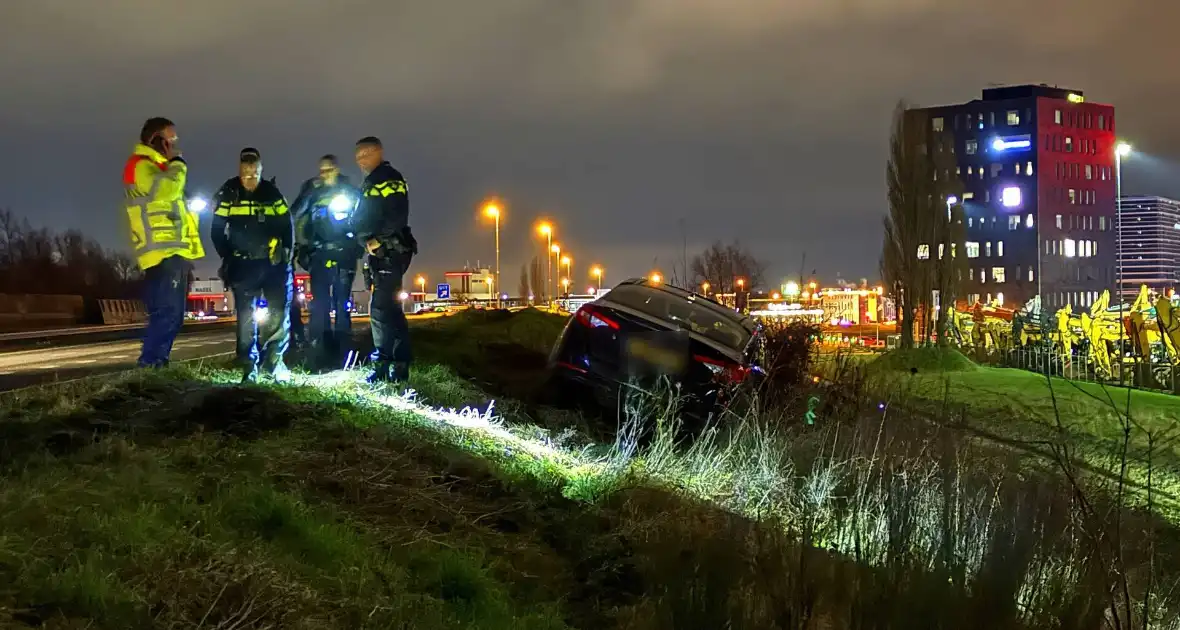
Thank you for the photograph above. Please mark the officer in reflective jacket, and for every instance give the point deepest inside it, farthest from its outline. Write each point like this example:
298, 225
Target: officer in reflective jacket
326, 246
253, 234
164, 232
382, 227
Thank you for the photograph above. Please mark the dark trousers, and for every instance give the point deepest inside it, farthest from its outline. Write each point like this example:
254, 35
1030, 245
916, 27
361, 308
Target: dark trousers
262, 338
391, 332
165, 292
331, 290
297, 333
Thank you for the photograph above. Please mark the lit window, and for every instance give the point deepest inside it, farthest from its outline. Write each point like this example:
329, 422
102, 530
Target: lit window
1057, 116
1085, 249
938, 123
972, 249
1069, 248
1000, 297
987, 249
1013, 221
972, 148
941, 249
1030, 274
1000, 248
970, 221
998, 274
1028, 168
1089, 172
970, 170
1018, 167
1094, 247
1059, 221
971, 273
1013, 117
923, 252
1028, 221
1011, 196
1069, 144
1073, 197
969, 195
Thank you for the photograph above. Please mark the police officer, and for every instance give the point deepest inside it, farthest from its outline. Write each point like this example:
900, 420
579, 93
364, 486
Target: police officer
382, 227
253, 234
164, 233
326, 246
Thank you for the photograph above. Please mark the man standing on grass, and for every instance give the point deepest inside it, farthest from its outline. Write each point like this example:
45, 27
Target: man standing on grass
253, 234
164, 232
382, 227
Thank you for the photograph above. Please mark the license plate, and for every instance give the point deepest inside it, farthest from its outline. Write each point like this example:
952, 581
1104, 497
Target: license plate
656, 353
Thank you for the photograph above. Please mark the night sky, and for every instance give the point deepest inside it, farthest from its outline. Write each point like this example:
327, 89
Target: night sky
764, 120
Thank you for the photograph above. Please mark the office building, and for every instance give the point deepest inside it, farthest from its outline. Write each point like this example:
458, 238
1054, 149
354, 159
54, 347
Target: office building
1151, 243
1038, 167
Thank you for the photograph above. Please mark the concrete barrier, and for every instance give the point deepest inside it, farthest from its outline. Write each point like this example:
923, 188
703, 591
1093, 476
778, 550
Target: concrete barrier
22, 311
122, 312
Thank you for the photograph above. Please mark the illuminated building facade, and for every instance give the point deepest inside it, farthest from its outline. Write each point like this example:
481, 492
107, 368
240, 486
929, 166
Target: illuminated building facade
471, 284
1038, 167
1151, 243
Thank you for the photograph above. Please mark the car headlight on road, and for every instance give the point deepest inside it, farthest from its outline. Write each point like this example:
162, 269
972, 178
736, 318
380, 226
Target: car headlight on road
340, 207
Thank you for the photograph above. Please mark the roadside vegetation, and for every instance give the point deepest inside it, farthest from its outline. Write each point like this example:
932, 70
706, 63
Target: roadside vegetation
179, 499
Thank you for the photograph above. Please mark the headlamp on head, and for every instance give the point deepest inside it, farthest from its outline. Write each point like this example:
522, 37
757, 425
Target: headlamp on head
340, 207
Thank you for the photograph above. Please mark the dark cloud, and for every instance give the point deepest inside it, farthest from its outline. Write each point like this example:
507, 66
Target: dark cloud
763, 120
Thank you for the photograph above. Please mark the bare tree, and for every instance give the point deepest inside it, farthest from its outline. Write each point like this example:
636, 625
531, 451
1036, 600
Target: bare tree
924, 249
723, 265
537, 280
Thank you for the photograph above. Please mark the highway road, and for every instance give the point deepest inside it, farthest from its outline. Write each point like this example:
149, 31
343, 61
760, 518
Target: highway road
35, 366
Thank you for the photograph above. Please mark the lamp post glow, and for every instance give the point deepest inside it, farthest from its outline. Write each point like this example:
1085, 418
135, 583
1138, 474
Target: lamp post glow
655, 277
569, 266
555, 255
421, 281
546, 230
596, 271
491, 209
705, 289
1121, 150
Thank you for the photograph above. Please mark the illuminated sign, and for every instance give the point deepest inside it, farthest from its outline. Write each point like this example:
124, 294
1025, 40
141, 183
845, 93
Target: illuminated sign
1012, 142
1075, 98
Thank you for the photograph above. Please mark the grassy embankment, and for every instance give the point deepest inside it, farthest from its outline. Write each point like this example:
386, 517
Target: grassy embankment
178, 500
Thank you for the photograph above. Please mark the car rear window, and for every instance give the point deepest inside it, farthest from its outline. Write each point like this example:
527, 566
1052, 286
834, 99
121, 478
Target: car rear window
698, 315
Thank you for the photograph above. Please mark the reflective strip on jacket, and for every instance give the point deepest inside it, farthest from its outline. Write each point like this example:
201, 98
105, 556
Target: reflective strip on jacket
161, 223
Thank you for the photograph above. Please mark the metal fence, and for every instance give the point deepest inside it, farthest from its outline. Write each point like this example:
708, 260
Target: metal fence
1155, 373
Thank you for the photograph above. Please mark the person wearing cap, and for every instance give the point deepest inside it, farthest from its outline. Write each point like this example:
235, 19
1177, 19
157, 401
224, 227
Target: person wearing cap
165, 234
326, 247
381, 225
253, 234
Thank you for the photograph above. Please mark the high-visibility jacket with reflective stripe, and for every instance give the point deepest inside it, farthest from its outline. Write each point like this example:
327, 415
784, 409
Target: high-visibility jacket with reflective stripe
161, 223
252, 224
384, 209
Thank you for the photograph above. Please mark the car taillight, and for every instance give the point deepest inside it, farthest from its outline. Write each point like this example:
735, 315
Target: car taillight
593, 317
724, 371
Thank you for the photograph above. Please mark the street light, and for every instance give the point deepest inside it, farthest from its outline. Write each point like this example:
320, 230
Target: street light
705, 288
1121, 150
569, 269
546, 230
565, 287
492, 209
655, 277
421, 281
554, 254
596, 271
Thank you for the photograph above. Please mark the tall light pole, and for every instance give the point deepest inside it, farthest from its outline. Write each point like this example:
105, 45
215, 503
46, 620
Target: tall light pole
596, 271
421, 282
491, 209
546, 230
569, 266
1121, 151
555, 254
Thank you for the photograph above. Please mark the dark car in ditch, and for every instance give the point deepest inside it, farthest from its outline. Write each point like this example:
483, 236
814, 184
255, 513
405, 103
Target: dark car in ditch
643, 336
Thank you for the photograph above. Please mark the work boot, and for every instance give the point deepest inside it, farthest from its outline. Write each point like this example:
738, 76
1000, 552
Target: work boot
400, 372
249, 375
382, 373
281, 373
